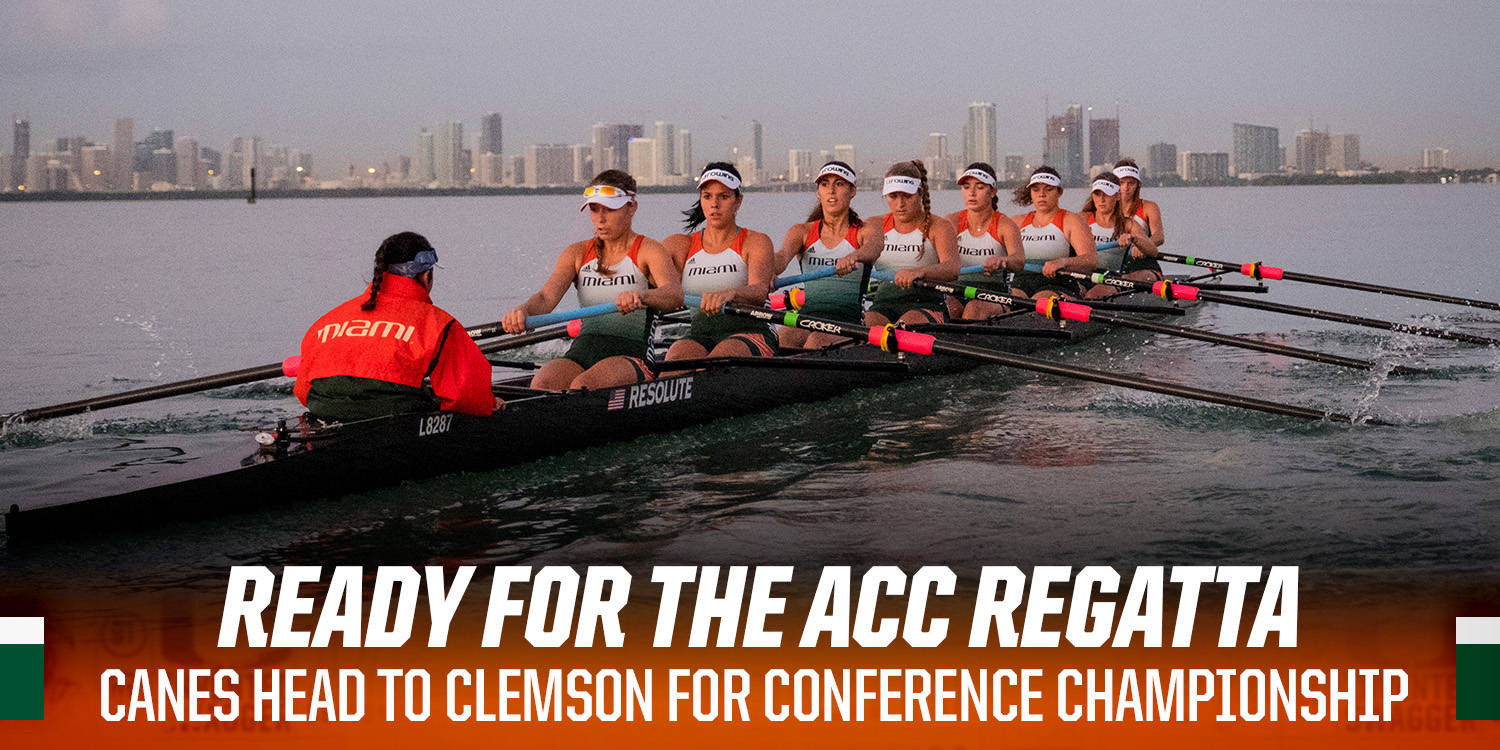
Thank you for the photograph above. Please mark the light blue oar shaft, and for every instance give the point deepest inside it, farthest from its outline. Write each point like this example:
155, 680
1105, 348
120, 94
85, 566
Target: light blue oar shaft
802, 278
888, 276
535, 321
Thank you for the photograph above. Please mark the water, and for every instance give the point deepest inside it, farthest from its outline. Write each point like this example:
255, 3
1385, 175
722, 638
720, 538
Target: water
992, 466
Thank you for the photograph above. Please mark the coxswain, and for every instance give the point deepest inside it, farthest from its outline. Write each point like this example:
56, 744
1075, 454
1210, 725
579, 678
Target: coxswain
830, 232
910, 243
1129, 176
986, 238
1052, 235
390, 350
1134, 257
617, 266
722, 262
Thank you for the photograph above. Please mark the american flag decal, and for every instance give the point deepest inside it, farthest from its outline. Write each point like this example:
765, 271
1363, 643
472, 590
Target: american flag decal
617, 400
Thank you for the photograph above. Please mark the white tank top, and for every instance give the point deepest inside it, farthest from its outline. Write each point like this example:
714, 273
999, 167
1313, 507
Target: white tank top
1046, 242
1111, 259
712, 272
595, 288
972, 250
904, 249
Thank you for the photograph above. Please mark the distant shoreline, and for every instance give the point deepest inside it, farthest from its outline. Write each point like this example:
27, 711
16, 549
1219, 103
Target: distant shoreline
1467, 176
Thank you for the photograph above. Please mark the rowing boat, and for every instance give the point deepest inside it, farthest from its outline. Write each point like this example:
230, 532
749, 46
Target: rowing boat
301, 460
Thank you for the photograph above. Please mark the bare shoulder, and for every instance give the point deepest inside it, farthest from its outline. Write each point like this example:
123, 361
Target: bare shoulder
942, 224
953, 217
676, 244
761, 239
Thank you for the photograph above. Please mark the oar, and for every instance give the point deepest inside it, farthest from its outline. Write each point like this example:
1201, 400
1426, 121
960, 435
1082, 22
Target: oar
891, 338
287, 367
1059, 309
1098, 304
1170, 290
1262, 271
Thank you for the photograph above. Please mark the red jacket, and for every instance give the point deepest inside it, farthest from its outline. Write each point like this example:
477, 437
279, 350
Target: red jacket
397, 343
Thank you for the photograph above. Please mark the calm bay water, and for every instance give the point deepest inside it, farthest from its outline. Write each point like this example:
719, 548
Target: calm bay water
989, 467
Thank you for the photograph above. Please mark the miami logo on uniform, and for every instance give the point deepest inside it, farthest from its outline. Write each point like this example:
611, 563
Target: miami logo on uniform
375, 329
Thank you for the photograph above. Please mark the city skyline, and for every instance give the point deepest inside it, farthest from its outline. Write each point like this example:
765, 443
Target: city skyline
331, 84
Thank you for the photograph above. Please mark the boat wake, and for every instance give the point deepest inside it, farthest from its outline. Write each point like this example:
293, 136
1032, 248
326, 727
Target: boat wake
84, 426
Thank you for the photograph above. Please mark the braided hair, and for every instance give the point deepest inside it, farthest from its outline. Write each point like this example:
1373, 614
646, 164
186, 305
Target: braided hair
397, 248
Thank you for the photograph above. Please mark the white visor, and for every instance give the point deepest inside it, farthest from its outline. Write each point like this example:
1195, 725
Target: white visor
900, 184
1128, 171
836, 171
615, 201
726, 178
1106, 187
978, 174
1046, 178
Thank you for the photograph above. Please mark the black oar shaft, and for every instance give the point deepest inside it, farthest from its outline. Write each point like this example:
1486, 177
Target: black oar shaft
1183, 332
149, 393
927, 344
1306, 312
1258, 271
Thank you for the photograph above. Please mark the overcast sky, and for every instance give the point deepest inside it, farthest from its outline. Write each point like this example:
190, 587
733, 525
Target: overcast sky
353, 80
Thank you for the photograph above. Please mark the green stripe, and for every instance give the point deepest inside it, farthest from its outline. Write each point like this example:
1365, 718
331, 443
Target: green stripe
969, 292
1191, 260
1478, 680
790, 320
21, 681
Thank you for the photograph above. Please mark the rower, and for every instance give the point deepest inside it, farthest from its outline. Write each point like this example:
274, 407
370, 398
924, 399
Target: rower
986, 238
722, 262
830, 232
1135, 256
911, 243
1134, 205
390, 350
1052, 235
615, 265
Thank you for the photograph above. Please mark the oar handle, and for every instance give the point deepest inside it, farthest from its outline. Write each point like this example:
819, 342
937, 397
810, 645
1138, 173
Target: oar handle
547, 319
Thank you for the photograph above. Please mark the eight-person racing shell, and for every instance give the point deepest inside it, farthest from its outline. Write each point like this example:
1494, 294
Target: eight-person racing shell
836, 297
405, 355
704, 272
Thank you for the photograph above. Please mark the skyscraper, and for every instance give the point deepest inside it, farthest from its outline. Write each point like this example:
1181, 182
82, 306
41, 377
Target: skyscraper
1203, 166
1073, 167
1343, 152
800, 167
490, 140
685, 163
187, 163
1434, 158
1257, 150
20, 151
447, 155
1312, 151
611, 145
1015, 167
583, 163
123, 150
641, 160
980, 134
1055, 144
940, 163
421, 161
845, 153
757, 136
666, 148
549, 165
1104, 142
1161, 159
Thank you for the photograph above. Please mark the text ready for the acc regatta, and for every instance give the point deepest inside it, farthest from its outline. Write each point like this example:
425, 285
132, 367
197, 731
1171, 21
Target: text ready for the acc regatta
537, 614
